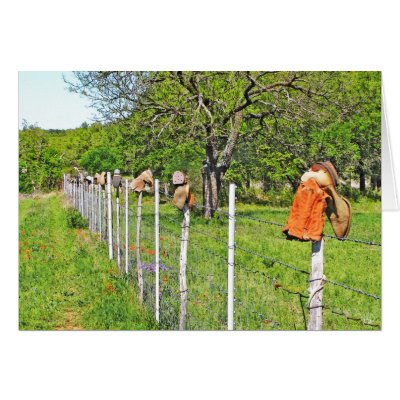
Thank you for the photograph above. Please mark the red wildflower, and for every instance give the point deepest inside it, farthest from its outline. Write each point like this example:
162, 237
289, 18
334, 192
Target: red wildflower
110, 287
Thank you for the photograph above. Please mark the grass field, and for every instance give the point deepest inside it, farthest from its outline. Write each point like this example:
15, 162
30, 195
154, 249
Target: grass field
268, 295
71, 284
66, 281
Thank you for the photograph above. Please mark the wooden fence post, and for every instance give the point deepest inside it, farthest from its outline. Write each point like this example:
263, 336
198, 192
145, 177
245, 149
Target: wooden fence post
182, 266
157, 243
138, 260
104, 214
317, 281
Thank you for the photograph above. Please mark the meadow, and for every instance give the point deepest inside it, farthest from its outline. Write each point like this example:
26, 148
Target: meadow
71, 284
66, 281
269, 294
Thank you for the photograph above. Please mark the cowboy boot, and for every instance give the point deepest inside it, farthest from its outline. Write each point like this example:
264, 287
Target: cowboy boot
181, 196
338, 211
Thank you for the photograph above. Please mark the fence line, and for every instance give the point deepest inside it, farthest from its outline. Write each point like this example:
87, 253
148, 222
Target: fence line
220, 292
263, 221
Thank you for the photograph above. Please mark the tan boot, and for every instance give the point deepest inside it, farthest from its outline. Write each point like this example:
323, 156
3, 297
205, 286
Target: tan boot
139, 183
181, 196
338, 211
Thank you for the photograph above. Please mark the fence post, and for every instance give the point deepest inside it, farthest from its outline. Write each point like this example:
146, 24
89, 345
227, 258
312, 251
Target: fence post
126, 226
93, 207
94, 202
118, 234
231, 254
105, 214
87, 202
317, 281
81, 198
182, 267
157, 242
73, 194
109, 215
138, 260
99, 205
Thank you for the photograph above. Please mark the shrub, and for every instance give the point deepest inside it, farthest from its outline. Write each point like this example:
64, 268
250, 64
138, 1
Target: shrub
75, 220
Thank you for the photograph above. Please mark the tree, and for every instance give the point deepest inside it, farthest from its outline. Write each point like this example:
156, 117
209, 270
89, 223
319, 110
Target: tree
100, 159
214, 108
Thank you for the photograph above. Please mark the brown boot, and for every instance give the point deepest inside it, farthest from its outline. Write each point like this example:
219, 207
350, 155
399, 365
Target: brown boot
338, 211
139, 183
181, 196
338, 208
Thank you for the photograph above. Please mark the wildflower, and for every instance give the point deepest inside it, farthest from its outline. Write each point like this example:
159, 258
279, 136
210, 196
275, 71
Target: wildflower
110, 287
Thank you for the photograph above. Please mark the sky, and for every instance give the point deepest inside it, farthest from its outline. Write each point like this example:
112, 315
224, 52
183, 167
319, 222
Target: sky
45, 101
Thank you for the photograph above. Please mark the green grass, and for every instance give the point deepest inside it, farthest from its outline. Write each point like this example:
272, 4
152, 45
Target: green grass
267, 295
66, 281
70, 283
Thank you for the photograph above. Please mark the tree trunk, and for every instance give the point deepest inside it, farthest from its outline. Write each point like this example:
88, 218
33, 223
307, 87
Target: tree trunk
214, 170
211, 187
362, 181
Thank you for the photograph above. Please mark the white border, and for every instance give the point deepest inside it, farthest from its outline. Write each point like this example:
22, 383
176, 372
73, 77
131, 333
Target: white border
307, 35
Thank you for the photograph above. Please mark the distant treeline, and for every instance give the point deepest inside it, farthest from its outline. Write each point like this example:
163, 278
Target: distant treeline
257, 129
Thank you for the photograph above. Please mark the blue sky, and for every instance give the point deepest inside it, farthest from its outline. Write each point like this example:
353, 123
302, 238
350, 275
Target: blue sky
44, 100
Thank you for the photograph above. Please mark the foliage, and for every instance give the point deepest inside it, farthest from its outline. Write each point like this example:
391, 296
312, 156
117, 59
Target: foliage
100, 159
75, 219
258, 129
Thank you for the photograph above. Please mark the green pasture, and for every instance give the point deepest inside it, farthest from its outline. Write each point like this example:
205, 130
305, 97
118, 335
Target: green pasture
66, 281
70, 284
268, 295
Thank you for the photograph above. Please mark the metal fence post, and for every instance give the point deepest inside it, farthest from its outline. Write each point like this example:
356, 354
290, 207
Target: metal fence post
126, 227
317, 281
157, 243
109, 215
87, 200
231, 255
182, 266
118, 233
81, 198
94, 202
93, 213
73, 194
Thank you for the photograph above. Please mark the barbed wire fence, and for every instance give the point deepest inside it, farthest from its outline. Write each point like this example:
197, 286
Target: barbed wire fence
255, 291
